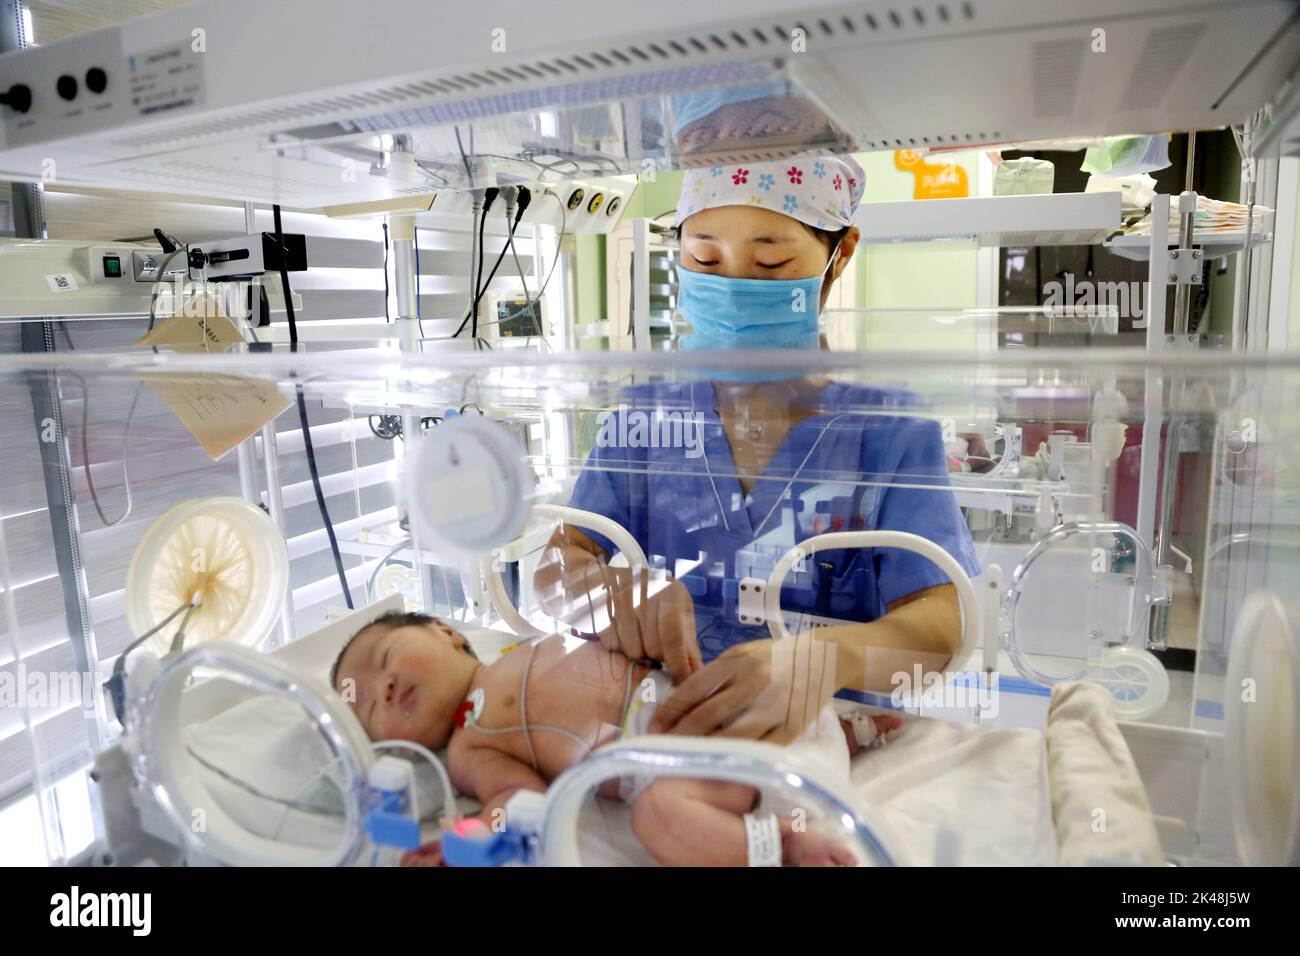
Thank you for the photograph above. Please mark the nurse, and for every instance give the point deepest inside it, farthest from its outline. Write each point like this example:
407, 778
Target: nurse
717, 479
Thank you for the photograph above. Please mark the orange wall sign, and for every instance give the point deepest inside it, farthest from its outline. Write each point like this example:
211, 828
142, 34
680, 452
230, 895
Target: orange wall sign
946, 181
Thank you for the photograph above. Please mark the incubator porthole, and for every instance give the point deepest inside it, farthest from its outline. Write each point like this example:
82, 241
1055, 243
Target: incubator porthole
190, 766
1260, 706
467, 487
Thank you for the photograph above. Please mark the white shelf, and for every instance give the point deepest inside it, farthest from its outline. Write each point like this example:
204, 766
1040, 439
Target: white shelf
1054, 219
594, 85
1215, 245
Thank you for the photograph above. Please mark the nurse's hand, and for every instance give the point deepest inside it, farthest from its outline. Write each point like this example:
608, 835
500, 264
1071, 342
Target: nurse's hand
761, 690
574, 584
662, 628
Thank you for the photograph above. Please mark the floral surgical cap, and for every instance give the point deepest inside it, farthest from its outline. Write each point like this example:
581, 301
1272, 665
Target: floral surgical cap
820, 190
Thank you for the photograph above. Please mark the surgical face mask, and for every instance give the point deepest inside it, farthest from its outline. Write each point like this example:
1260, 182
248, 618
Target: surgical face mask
730, 313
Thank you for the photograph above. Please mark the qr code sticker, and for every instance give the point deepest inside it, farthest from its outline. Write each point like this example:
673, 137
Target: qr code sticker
62, 282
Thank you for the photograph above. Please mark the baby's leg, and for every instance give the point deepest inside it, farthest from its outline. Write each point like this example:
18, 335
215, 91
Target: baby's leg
700, 823
694, 822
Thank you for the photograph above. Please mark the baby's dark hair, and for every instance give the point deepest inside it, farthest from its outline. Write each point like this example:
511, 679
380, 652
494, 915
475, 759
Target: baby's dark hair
389, 620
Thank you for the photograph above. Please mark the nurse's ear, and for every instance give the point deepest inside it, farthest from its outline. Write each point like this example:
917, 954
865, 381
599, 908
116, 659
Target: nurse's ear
843, 254
848, 244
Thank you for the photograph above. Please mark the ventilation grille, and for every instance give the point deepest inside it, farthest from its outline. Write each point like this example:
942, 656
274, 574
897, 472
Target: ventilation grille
733, 157
1056, 65
1164, 55
936, 140
205, 176
755, 41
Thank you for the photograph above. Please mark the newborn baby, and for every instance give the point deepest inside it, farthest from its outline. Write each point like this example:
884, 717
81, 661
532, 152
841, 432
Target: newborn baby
411, 677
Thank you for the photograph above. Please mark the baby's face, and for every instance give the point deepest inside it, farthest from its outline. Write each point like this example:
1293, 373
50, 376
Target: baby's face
406, 683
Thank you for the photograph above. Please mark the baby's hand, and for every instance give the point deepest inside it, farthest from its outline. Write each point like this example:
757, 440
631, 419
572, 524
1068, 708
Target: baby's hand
428, 855
886, 723
862, 730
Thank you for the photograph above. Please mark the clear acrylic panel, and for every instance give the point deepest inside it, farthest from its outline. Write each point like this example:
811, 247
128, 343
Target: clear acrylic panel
886, 516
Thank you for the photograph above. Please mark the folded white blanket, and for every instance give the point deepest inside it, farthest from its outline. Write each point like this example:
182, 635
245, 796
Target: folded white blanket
961, 795
1098, 801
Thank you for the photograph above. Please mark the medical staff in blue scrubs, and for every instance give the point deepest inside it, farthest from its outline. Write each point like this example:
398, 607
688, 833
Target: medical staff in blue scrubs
717, 479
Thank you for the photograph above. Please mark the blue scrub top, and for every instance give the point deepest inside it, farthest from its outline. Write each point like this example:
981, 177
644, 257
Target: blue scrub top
662, 468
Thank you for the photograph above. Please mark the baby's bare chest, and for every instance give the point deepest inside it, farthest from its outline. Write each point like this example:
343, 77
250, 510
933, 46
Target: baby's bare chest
550, 715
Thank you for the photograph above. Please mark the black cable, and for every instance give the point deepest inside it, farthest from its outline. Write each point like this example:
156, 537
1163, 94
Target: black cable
472, 312
564, 225
478, 282
510, 234
387, 318
419, 317
479, 292
284, 280
302, 416
537, 322
320, 496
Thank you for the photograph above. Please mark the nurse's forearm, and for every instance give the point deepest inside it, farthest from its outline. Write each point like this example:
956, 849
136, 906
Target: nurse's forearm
569, 577
922, 629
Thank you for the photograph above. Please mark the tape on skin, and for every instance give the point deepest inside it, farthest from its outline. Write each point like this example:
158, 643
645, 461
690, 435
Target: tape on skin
763, 837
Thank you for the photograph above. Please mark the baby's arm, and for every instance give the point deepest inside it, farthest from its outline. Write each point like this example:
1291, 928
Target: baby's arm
494, 777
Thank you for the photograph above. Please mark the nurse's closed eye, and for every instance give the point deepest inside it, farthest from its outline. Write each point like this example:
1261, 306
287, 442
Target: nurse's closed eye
701, 262
776, 265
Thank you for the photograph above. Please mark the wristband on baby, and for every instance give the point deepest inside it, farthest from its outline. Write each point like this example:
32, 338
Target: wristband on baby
763, 838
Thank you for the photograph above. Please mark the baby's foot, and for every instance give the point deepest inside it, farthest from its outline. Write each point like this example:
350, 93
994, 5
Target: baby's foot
810, 848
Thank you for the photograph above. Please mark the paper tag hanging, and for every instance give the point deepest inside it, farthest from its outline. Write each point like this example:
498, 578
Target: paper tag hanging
219, 410
204, 332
